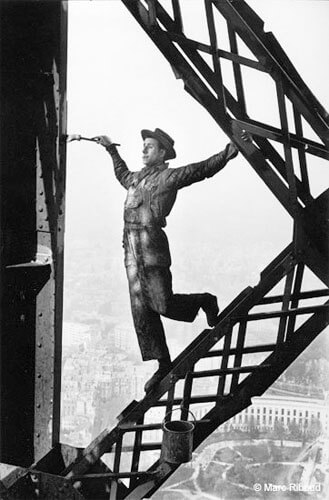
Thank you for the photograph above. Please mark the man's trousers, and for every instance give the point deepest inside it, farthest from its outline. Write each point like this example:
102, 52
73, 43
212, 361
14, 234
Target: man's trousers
151, 295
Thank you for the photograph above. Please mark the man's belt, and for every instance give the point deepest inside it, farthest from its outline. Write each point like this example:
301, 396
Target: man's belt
152, 225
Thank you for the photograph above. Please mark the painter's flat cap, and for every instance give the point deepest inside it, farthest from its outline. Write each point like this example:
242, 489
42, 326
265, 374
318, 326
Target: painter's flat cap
164, 139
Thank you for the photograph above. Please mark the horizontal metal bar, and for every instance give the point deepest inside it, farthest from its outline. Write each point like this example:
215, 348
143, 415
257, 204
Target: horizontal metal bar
281, 314
245, 350
300, 296
112, 475
275, 134
138, 427
228, 371
193, 400
142, 447
32, 265
150, 427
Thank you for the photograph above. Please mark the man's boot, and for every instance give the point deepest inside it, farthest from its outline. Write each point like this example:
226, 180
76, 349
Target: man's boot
164, 368
210, 307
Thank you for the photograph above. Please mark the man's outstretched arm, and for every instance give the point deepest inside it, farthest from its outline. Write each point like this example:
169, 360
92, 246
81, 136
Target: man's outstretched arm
122, 173
185, 176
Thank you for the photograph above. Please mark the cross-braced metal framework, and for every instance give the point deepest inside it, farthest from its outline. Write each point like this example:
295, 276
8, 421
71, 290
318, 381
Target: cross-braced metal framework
267, 326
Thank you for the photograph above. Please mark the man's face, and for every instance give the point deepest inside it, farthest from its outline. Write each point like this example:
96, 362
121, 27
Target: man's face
153, 154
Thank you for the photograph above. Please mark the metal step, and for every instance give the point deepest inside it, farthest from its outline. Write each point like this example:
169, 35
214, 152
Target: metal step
214, 398
228, 371
283, 314
312, 294
245, 350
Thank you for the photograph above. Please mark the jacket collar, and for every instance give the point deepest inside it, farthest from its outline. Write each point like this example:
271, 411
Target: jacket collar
151, 170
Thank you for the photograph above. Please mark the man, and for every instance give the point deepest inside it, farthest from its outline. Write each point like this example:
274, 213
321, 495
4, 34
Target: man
151, 194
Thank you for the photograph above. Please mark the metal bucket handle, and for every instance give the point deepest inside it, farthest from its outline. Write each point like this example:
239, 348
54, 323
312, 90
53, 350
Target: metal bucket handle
180, 409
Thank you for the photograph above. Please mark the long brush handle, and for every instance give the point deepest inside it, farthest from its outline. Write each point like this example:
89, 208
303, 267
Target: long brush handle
77, 137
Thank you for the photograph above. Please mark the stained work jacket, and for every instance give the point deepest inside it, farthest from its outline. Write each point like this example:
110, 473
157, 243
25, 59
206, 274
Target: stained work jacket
151, 194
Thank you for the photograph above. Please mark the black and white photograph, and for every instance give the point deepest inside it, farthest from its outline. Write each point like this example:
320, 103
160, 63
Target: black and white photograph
164, 249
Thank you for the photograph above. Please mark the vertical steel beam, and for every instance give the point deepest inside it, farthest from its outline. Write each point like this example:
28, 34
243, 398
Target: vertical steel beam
214, 53
237, 71
177, 15
224, 363
33, 85
50, 231
239, 353
152, 14
188, 383
301, 152
285, 306
137, 452
295, 300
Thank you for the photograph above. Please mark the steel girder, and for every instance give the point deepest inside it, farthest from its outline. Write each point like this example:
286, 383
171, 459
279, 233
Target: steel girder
228, 387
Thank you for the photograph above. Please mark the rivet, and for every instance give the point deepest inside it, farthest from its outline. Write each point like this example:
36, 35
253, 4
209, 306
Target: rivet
38, 405
40, 314
39, 375
38, 434
40, 193
40, 209
39, 344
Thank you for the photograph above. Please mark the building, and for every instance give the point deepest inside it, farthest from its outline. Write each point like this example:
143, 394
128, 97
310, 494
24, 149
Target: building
75, 334
268, 410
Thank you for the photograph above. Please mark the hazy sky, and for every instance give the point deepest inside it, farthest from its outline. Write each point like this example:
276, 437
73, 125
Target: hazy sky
119, 83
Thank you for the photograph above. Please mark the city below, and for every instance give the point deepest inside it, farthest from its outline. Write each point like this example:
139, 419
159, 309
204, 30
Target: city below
281, 439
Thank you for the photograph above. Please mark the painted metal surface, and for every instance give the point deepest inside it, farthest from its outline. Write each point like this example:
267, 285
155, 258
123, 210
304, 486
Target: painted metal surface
33, 85
177, 438
18, 483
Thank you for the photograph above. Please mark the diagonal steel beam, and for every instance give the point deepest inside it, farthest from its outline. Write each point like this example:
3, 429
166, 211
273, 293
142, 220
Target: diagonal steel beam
258, 42
253, 385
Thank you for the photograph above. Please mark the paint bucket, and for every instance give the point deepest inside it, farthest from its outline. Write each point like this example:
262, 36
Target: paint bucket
177, 440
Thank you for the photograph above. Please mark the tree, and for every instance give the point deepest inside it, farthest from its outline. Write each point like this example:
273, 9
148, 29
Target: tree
251, 427
314, 428
279, 431
294, 430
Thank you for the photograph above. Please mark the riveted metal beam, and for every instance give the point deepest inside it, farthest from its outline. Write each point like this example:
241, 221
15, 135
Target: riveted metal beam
33, 85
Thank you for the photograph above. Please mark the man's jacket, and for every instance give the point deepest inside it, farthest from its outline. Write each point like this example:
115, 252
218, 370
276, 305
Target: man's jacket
152, 191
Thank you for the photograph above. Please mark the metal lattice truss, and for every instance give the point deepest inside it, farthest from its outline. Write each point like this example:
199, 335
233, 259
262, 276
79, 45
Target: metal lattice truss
267, 326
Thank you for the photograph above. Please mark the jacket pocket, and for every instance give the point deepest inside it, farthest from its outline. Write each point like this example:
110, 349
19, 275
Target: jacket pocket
134, 198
